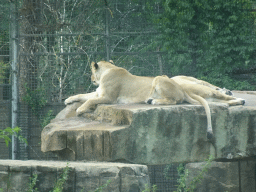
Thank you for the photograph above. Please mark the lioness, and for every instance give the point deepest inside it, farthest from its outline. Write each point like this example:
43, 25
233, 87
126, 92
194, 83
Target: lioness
166, 91
116, 85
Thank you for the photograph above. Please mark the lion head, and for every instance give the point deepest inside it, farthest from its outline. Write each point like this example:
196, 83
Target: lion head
98, 69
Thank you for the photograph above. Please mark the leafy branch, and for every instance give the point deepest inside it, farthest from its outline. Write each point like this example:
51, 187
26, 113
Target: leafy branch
32, 184
183, 173
150, 189
8, 132
35, 99
62, 180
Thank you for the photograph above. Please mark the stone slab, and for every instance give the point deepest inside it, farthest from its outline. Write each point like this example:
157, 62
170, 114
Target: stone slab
223, 176
153, 135
83, 176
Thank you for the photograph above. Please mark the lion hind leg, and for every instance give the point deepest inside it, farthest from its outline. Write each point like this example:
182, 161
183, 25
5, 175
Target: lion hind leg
221, 96
236, 101
205, 83
228, 99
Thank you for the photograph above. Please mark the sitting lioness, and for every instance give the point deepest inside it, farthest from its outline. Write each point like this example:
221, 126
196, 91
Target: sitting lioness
166, 91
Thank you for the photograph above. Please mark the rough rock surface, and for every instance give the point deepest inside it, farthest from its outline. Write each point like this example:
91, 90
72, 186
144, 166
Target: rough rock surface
15, 176
152, 135
228, 176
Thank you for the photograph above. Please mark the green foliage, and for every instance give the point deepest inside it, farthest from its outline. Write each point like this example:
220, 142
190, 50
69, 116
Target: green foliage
4, 27
103, 186
32, 184
8, 132
166, 170
208, 39
3, 69
183, 175
227, 81
58, 187
47, 118
4, 40
35, 99
150, 189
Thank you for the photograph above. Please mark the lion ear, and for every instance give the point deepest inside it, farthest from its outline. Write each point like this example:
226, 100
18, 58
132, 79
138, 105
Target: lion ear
111, 61
96, 66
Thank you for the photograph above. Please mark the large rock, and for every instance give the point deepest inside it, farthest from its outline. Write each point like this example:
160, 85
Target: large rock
15, 176
149, 134
223, 176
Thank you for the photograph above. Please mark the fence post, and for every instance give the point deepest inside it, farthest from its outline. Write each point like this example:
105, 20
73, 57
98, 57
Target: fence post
14, 63
107, 31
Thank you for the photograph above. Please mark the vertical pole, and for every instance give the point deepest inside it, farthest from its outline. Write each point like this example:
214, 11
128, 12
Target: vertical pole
107, 31
239, 176
14, 63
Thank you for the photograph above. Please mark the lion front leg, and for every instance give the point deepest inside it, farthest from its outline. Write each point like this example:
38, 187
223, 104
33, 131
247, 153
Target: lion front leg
236, 101
81, 98
91, 104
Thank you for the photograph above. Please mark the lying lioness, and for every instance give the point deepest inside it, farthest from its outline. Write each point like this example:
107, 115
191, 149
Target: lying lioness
117, 85
166, 91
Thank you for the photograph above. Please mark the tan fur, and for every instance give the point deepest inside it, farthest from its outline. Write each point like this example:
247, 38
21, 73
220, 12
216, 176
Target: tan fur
191, 80
167, 91
116, 85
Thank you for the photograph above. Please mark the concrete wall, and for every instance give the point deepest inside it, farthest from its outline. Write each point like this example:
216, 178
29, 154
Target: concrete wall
83, 176
236, 176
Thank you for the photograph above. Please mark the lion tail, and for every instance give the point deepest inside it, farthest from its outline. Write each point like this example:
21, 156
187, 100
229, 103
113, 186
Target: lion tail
208, 113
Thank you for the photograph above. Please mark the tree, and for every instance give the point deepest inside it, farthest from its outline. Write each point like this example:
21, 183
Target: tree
58, 42
208, 39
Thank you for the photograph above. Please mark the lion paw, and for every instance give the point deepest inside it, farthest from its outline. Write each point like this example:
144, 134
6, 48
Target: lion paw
79, 111
152, 102
242, 101
69, 101
82, 110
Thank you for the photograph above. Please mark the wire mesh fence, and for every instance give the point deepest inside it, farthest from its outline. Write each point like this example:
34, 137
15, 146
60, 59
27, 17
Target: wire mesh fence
5, 87
164, 177
57, 41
